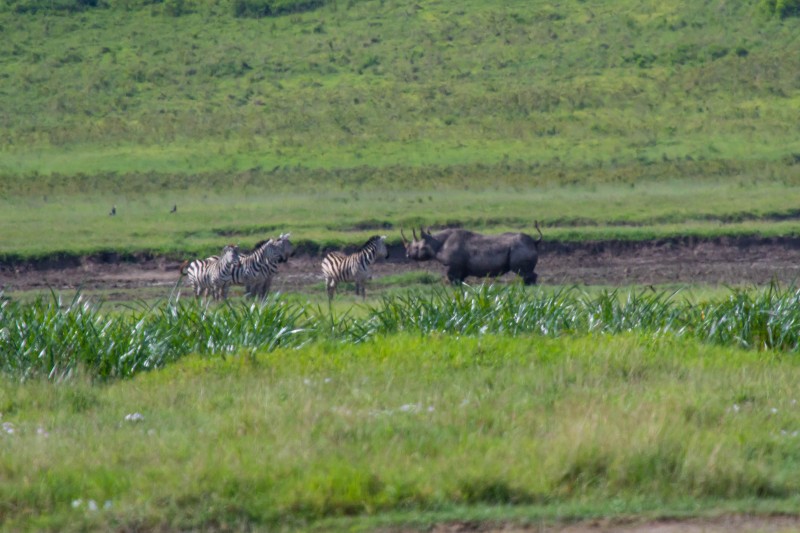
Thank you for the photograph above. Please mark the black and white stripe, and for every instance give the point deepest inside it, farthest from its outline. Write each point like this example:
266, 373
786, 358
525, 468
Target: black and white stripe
212, 275
261, 287
256, 269
338, 267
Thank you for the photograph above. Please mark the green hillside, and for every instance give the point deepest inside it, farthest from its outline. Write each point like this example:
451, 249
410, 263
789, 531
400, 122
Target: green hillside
537, 90
248, 99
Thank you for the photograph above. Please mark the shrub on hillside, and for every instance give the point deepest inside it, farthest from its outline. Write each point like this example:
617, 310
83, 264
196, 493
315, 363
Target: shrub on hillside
782, 8
271, 8
66, 6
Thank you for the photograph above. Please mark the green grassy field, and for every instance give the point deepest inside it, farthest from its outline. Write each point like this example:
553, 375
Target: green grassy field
631, 119
407, 429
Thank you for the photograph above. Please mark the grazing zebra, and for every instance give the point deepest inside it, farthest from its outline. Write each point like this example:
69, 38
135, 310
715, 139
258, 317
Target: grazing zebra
212, 275
282, 249
338, 267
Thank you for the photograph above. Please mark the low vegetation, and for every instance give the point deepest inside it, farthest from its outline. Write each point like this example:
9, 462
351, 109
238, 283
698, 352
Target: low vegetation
407, 429
67, 227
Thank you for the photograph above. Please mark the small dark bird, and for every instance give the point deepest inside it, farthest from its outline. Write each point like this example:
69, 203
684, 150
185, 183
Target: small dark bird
174, 209
113, 211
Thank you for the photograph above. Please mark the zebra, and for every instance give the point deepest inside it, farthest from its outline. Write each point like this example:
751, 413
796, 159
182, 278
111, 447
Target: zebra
255, 270
212, 275
259, 286
338, 267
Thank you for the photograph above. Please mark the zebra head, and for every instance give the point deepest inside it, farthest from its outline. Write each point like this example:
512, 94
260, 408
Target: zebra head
269, 250
286, 246
377, 243
230, 255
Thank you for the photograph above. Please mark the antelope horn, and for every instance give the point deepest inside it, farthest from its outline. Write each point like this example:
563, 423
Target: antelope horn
414, 232
402, 235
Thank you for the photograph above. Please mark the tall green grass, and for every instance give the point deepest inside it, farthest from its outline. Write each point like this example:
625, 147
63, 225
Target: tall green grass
53, 338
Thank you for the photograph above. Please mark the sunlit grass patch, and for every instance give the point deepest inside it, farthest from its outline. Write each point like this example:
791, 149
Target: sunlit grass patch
405, 424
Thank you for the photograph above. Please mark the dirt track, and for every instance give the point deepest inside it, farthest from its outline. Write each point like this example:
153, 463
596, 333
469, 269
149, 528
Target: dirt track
735, 261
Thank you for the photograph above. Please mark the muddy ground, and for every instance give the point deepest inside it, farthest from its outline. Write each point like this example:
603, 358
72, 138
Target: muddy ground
720, 261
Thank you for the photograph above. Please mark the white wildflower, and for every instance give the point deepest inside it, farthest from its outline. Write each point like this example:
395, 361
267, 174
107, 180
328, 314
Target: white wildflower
134, 417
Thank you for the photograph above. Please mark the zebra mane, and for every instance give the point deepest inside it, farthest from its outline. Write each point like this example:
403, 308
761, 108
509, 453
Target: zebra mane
373, 240
259, 244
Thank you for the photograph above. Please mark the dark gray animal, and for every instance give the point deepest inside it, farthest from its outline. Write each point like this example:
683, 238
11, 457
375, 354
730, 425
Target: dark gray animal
466, 253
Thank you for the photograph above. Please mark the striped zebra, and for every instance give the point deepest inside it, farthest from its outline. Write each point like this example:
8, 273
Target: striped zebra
338, 267
212, 275
256, 269
260, 287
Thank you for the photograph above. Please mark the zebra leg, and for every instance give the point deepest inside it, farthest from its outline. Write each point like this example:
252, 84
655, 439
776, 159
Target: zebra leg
265, 286
331, 286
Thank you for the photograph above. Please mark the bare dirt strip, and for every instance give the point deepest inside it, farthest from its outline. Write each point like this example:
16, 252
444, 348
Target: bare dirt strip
721, 261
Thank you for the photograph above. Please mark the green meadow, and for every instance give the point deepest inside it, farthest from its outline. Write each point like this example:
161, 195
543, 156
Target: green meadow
635, 119
408, 430
336, 120
75, 225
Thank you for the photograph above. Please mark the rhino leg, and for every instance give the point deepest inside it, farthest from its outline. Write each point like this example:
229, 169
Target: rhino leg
456, 277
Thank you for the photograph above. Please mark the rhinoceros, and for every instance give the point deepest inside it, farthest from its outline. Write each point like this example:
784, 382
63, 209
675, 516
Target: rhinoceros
466, 253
